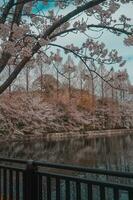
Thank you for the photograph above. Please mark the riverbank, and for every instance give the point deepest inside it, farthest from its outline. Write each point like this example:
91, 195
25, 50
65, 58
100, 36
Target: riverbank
67, 135
27, 116
90, 134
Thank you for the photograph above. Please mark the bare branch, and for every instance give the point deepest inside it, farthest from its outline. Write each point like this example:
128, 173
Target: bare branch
112, 28
90, 70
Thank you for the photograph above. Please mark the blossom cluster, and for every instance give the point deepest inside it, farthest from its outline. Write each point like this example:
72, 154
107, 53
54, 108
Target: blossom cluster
26, 52
4, 31
9, 47
104, 13
72, 47
96, 48
99, 52
19, 31
43, 42
80, 25
56, 56
129, 41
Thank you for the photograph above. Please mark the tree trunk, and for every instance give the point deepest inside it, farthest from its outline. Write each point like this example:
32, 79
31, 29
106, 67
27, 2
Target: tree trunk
69, 86
9, 73
41, 79
57, 84
27, 79
13, 75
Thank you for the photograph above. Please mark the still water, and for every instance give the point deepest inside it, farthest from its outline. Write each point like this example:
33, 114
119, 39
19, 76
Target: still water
114, 152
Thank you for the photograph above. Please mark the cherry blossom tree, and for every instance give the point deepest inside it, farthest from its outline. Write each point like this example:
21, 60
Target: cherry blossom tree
25, 33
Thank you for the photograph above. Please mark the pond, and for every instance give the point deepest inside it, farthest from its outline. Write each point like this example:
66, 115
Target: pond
114, 152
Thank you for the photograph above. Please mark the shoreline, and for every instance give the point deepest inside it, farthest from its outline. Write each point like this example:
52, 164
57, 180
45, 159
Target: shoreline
57, 136
92, 134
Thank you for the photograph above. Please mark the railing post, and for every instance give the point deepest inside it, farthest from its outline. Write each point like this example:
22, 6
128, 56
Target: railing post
30, 182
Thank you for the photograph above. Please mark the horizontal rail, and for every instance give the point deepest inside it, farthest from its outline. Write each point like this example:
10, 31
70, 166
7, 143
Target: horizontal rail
11, 168
86, 181
85, 169
72, 168
11, 160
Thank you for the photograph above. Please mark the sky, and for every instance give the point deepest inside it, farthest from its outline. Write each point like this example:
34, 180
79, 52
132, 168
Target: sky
40, 6
111, 41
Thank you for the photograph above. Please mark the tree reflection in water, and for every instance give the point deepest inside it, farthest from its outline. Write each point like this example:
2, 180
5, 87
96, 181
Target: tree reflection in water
107, 152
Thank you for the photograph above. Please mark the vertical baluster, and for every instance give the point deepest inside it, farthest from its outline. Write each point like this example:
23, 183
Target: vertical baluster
102, 193
10, 184
0, 185
67, 183
44, 185
116, 193
30, 182
78, 190
48, 188
89, 188
130, 194
57, 188
17, 185
40, 187
24, 185
4, 184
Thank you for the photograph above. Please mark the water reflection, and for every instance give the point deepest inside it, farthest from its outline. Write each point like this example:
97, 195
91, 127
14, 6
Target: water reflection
107, 152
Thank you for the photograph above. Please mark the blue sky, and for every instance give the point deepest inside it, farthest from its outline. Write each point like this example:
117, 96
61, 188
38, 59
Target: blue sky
42, 7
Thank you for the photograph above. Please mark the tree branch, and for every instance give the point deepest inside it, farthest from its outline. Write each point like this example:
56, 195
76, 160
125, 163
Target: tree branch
6, 11
47, 33
72, 14
18, 12
93, 26
13, 75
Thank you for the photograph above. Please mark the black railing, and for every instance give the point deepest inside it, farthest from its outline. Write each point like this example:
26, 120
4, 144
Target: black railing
33, 180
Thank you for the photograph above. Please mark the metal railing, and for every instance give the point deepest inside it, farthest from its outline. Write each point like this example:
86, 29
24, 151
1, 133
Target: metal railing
34, 180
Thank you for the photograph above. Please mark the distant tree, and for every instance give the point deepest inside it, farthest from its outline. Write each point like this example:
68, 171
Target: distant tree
29, 66
122, 79
57, 61
46, 83
69, 69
